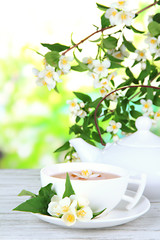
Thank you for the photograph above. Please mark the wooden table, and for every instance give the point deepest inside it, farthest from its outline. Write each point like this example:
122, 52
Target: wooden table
25, 226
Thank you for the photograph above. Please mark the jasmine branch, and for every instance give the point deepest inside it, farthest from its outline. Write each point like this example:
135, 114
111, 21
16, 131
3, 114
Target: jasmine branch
106, 28
116, 90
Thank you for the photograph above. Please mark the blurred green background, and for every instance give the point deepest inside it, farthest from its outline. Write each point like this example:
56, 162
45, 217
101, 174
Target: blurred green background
34, 121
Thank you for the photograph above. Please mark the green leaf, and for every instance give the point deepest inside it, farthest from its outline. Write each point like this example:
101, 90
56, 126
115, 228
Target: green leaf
115, 65
156, 100
150, 93
96, 137
73, 43
102, 7
81, 64
64, 147
145, 72
154, 28
38, 204
68, 187
113, 59
26, 193
84, 97
126, 129
129, 45
94, 103
98, 213
104, 21
156, 18
131, 91
78, 68
129, 73
110, 42
135, 114
106, 117
76, 129
52, 58
55, 47
97, 40
136, 30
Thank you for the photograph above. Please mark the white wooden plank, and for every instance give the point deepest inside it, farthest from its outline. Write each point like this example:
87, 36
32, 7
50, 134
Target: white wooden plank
18, 225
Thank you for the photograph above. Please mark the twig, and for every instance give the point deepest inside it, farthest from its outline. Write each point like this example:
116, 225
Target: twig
140, 91
103, 29
116, 90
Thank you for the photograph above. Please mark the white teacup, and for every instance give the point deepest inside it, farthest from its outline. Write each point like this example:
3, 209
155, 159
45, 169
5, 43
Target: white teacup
104, 193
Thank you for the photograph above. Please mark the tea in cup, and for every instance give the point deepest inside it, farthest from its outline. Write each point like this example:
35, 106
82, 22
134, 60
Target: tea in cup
103, 185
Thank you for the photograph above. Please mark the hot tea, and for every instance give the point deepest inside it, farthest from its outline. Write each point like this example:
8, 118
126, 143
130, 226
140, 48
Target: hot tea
86, 175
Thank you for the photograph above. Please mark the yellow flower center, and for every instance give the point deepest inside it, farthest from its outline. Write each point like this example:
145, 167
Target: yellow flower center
152, 41
49, 74
121, 2
70, 218
93, 76
44, 83
141, 54
104, 83
89, 61
114, 13
158, 114
100, 68
123, 16
81, 213
118, 55
114, 127
65, 208
146, 105
102, 90
64, 61
112, 77
73, 104
85, 173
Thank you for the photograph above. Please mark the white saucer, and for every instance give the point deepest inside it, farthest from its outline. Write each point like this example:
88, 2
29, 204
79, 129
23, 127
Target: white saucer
116, 217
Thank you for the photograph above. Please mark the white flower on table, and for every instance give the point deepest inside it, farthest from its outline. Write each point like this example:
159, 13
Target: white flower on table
152, 42
84, 214
101, 68
114, 126
140, 54
66, 205
69, 218
53, 206
85, 174
64, 63
147, 106
88, 61
111, 14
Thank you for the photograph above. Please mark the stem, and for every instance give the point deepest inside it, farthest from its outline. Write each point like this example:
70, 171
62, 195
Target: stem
151, 5
83, 40
116, 90
103, 29
140, 91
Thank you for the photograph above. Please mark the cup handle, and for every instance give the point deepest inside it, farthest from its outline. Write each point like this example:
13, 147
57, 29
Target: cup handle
141, 182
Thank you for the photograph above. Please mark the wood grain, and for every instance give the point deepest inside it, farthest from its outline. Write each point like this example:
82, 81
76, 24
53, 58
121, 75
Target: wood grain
25, 226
